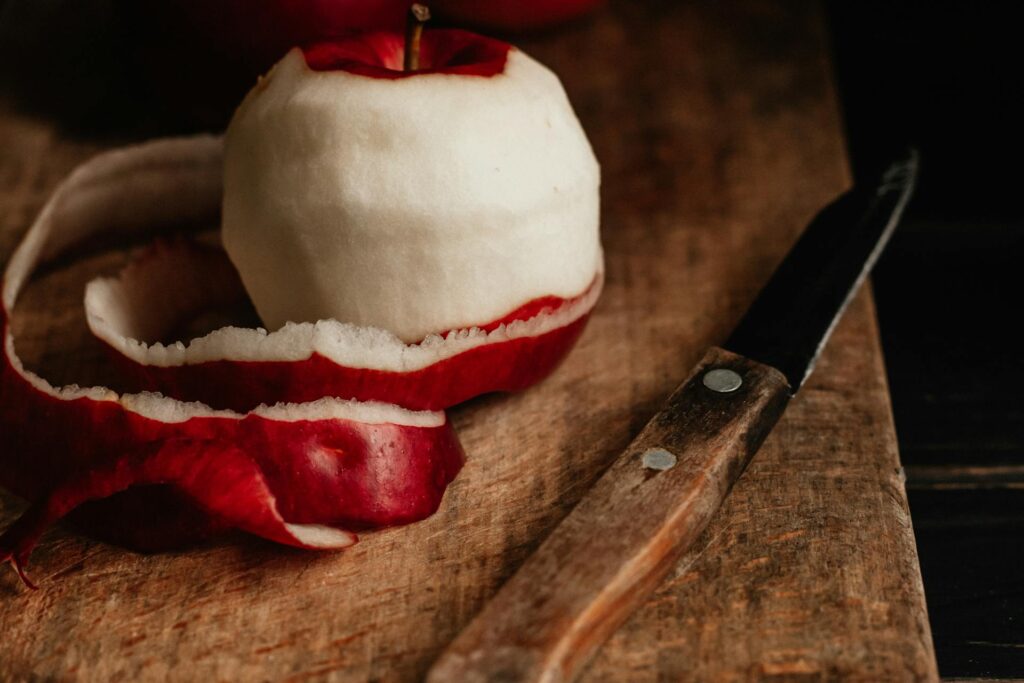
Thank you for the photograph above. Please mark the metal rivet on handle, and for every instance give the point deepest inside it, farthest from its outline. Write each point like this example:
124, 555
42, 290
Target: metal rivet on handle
722, 380
659, 459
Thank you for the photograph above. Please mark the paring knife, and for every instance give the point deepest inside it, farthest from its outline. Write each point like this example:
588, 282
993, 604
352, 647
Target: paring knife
657, 497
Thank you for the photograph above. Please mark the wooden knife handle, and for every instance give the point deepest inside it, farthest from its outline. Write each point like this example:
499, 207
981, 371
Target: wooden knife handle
614, 548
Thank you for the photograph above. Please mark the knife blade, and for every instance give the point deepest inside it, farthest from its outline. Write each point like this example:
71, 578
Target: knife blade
656, 498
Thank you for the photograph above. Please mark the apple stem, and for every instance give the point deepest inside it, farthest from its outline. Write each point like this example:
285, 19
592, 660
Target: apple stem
418, 16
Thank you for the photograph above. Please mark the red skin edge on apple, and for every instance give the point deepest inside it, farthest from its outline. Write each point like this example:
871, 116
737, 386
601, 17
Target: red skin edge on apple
254, 473
506, 366
379, 54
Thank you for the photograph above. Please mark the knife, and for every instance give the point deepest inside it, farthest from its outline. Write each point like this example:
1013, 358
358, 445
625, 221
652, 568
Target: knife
656, 498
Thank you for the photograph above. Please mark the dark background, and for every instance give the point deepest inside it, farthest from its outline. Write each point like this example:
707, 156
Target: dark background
944, 76
940, 75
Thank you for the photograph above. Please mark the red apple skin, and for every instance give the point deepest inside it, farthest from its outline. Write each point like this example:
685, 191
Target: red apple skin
209, 284
241, 385
255, 474
379, 54
507, 366
512, 16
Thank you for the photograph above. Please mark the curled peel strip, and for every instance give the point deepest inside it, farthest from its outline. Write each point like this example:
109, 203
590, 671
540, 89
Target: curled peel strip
296, 473
300, 472
240, 368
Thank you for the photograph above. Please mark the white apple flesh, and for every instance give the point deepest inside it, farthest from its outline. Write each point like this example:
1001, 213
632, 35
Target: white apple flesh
417, 205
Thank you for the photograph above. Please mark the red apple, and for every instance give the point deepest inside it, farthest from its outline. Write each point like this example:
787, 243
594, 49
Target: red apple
415, 202
452, 263
505, 225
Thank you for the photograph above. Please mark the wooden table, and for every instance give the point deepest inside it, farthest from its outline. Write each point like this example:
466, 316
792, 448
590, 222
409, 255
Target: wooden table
718, 132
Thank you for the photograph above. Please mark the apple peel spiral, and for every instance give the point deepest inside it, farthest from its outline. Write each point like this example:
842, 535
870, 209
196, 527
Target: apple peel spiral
326, 425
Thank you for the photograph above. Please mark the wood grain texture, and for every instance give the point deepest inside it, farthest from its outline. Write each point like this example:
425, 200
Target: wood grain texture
719, 137
630, 528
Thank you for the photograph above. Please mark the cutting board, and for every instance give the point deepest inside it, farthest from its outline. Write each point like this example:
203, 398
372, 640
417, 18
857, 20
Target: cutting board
718, 131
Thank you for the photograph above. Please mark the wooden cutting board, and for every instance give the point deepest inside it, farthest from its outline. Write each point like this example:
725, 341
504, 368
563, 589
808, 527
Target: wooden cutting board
719, 136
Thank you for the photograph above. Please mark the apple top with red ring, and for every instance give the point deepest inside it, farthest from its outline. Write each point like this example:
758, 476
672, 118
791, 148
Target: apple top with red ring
381, 54
356, 192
